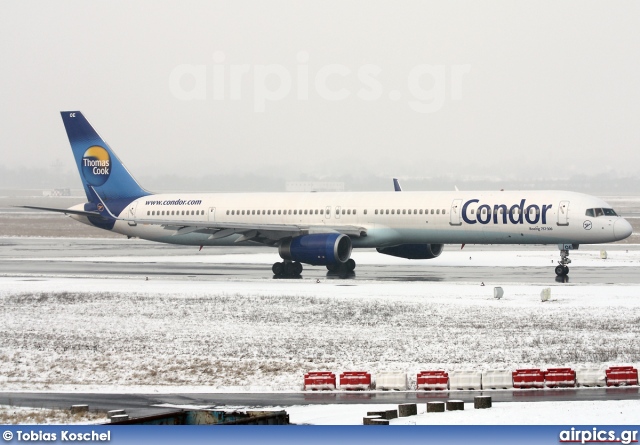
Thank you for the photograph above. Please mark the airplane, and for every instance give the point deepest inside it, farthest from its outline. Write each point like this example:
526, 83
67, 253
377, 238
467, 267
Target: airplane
321, 229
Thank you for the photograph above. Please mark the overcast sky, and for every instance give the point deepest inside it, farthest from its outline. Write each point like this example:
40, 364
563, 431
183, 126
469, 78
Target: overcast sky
411, 89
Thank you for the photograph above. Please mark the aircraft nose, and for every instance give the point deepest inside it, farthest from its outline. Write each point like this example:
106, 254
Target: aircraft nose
622, 229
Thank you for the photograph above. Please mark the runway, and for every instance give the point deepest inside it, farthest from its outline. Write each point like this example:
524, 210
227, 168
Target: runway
149, 404
57, 257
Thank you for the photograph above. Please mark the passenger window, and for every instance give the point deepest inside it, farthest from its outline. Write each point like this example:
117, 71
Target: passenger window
305, 212
437, 211
393, 212
322, 211
289, 212
404, 211
376, 212
354, 211
421, 211
365, 211
348, 211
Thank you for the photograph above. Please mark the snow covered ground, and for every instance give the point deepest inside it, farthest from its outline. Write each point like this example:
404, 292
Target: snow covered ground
134, 335
614, 412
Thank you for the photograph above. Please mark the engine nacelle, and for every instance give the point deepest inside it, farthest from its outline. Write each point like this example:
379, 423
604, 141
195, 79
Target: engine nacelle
318, 249
413, 251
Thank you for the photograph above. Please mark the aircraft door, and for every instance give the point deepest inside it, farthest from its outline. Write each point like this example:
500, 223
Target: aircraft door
563, 213
212, 214
132, 213
455, 213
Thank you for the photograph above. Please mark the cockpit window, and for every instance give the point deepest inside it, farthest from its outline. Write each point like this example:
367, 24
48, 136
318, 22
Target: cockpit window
600, 212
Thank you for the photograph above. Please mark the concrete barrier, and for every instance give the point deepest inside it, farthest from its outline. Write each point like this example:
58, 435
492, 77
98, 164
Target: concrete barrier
465, 380
591, 377
454, 405
78, 409
497, 379
387, 414
435, 407
392, 380
115, 412
407, 409
482, 402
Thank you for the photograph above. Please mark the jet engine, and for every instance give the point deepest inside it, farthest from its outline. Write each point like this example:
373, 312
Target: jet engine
413, 251
317, 249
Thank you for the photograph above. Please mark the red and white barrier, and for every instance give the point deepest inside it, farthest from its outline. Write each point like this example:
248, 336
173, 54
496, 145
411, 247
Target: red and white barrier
560, 378
355, 380
428, 380
497, 379
622, 376
528, 378
465, 380
319, 380
396, 380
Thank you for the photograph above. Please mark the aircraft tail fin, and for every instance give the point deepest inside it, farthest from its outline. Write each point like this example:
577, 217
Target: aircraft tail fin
101, 171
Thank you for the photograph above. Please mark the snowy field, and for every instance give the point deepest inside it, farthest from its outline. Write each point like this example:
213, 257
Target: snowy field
614, 412
263, 335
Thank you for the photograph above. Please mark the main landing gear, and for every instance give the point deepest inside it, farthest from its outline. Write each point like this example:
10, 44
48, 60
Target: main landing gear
562, 270
287, 269
293, 269
344, 268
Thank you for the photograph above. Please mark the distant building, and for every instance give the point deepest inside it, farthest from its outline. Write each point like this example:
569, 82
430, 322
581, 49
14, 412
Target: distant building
57, 192
314, 186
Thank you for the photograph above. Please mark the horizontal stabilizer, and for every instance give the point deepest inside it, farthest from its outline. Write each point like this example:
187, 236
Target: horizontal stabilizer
66, 211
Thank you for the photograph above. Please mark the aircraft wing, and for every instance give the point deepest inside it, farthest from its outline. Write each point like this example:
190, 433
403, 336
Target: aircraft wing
265, 233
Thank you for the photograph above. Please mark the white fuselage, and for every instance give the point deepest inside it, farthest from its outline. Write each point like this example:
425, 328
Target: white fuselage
389, 218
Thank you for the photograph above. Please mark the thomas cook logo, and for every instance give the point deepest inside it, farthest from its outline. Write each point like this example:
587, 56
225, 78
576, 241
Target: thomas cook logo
96, 165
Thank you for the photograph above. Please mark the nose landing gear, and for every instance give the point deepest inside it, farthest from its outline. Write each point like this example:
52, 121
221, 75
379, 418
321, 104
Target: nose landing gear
562, 270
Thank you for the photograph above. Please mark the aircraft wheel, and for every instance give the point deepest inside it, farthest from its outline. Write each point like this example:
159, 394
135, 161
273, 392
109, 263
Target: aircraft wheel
350, 265
297, 268
560, 270
565, 270
290, 269
277, 268
332, 267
